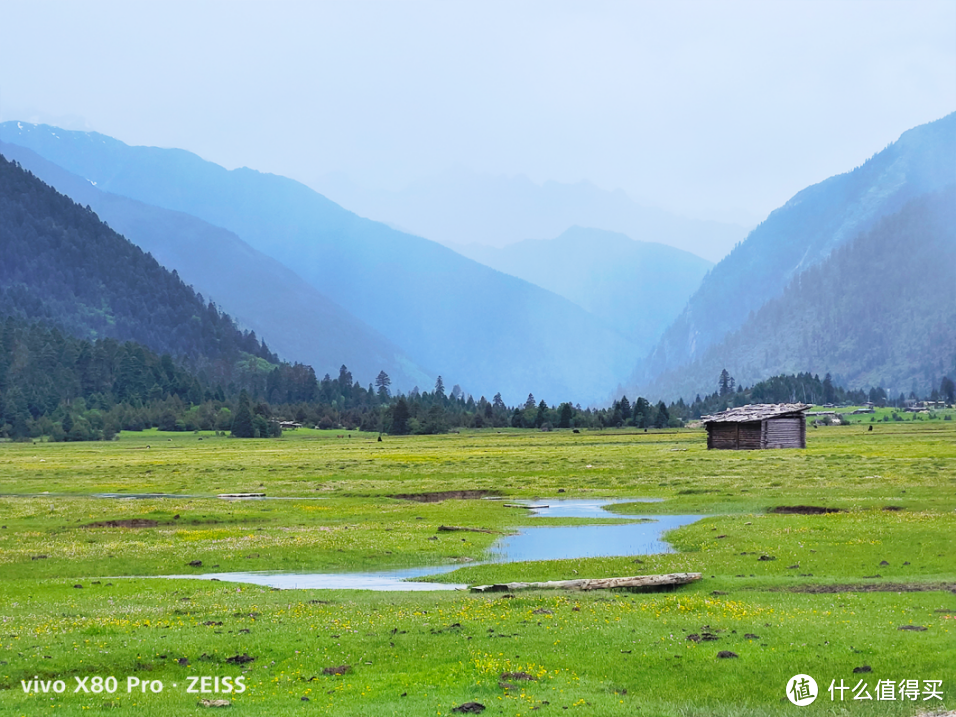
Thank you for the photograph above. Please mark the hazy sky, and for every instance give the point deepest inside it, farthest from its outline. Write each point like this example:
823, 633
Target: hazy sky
714, 108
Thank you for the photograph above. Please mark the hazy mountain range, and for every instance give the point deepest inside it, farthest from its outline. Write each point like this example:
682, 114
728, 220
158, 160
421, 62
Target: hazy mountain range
60, 264
478, 327
263, 295
853, 276
794, 238
638, 288
460, 207
879, 311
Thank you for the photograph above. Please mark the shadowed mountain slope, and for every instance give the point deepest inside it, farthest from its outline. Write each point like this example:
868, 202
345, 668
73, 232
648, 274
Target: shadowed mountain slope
478, 327
60, 264
879, 311
299, 322
798, 235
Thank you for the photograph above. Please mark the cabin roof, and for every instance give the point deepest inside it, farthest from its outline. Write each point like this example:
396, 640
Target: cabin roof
756, 412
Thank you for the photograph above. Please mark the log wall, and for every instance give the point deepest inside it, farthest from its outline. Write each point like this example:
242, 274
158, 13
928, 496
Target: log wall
749, 436
722, 435
734, 436
783, 432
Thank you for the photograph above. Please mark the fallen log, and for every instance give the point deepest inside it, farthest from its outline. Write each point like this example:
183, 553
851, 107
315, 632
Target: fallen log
241, 495
522, 505
634, 581
458, 528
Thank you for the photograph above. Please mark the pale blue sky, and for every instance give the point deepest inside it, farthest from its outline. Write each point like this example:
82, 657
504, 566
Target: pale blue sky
712, 108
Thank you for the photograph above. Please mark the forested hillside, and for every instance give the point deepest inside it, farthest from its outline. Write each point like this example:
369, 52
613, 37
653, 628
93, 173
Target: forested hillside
45, 375
61, 264
880, 311
480, 328
73, 295
796, 236
300, 323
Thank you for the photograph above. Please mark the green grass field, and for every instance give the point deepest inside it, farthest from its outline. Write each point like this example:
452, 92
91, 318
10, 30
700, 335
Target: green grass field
821, 594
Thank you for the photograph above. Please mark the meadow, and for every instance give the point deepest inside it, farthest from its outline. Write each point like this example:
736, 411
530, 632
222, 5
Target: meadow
863, 594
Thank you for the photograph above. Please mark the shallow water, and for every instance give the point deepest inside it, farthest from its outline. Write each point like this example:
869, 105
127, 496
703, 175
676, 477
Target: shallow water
530, 543
389, 580
581, 507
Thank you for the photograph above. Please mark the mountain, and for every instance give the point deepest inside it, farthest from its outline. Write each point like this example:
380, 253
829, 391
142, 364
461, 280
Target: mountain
880, 310
803, 232
638, 288
60, 264
460, 207
300, 323
476, 326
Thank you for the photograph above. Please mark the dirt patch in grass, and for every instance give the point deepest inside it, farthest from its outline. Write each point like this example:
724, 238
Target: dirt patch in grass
518, 676
803, 510
131, 523
336, 670
440, 495
875, 588
149, 523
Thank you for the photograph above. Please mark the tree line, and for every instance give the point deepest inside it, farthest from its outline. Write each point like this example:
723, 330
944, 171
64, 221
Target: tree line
97, 337
69, 389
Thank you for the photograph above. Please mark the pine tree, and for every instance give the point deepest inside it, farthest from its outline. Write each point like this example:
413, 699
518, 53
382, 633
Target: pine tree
625, 408
400, 415
723, 384
242, 424
947, 389
663, 417
564, 420
829, 394
382, 382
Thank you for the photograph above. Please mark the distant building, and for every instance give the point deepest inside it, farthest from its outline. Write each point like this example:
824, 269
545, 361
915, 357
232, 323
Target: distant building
762, 425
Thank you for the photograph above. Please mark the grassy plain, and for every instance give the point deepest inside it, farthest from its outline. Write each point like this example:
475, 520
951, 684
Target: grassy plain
832, 598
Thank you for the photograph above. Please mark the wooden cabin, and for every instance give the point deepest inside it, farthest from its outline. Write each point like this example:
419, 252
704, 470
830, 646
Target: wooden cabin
762, 425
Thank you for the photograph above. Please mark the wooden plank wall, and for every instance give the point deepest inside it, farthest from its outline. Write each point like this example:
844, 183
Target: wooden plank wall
748, 436
731, 436
785, 433
722, 435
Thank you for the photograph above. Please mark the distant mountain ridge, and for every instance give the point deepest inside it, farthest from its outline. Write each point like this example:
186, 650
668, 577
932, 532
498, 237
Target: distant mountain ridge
60, 264
795, 237
880, 310
460, 207
637, 287
300, 323
478, 327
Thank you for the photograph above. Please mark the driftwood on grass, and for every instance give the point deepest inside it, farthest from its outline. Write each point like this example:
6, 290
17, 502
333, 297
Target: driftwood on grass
522, 505
241, 495
634, 581
458, 528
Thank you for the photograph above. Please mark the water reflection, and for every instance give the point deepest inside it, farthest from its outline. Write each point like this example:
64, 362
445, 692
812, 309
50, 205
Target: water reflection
531, 543
390, 580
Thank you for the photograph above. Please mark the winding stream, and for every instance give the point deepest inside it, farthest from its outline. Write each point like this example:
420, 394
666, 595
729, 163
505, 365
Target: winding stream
530, 543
